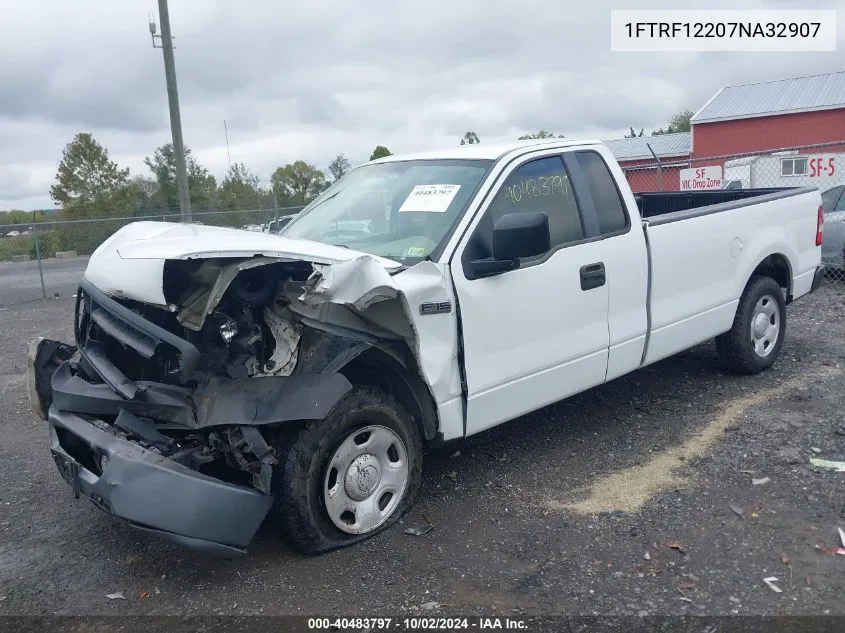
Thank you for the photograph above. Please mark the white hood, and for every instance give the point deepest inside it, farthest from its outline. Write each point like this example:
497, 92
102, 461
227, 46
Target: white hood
131, 262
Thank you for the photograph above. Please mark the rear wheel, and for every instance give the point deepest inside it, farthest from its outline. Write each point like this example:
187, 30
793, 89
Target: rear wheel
753, 343
350, 476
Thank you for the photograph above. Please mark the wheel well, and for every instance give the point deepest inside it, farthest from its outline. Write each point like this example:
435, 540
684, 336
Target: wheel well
376, 368
777, 267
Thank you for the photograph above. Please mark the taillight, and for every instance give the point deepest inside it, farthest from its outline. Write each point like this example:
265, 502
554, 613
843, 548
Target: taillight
820, 227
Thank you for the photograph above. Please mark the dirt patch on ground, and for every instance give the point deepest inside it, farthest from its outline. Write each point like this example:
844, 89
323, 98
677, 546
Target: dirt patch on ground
630, 489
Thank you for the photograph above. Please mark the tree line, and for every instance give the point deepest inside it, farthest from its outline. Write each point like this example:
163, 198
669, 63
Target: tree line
90, 184
680, 122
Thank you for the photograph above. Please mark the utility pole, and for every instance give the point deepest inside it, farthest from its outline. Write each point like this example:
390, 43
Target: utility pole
173, 100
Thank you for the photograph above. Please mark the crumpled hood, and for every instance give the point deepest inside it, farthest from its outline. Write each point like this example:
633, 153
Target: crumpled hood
130, 263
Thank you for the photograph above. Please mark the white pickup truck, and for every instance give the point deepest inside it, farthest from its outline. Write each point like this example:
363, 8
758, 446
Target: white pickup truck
220, 377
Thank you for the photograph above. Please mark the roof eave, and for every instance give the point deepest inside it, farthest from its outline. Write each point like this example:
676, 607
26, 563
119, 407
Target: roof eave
760, 115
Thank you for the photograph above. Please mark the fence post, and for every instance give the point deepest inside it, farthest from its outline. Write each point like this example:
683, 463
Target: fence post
659, 168
38, 255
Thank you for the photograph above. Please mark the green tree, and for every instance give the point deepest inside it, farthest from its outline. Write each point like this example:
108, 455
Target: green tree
202, 186
680, 122
297, 183
380, 152
241, 189
540, 134
17, 216
470, 138
87, 181
338, 167
145, 193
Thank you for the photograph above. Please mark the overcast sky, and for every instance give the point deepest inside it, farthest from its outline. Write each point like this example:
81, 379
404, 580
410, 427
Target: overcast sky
311, 78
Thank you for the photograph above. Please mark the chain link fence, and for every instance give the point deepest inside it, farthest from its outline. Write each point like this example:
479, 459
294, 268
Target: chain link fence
821, 165
46, 258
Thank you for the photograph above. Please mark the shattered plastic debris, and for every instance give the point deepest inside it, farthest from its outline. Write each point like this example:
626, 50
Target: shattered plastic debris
143, 595
761, 481
118, 595
770, 583
420, 530
825, 463
737, 510
834, 550
685, 586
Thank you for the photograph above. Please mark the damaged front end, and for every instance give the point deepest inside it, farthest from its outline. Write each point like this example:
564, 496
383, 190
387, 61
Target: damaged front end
169, 416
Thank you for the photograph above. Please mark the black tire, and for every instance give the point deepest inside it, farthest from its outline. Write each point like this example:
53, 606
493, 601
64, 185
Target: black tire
299, 479
735, 347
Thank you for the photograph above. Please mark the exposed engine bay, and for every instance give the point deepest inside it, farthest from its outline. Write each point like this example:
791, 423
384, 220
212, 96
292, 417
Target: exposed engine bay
237, 351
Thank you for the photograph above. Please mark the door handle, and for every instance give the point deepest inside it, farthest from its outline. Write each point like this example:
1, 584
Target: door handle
593, 276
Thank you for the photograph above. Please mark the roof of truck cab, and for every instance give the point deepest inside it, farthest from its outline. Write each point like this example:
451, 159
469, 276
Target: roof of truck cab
482, 151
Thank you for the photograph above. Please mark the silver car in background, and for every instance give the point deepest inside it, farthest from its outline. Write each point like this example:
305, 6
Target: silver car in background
833, 246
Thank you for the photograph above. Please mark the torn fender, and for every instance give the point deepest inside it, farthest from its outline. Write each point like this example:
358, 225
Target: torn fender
416, 305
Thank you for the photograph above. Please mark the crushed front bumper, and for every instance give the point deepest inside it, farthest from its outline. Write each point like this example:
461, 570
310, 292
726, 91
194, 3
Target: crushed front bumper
129, 481
152, 492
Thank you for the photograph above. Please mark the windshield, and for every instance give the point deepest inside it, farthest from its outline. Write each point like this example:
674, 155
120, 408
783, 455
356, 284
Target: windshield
400, 210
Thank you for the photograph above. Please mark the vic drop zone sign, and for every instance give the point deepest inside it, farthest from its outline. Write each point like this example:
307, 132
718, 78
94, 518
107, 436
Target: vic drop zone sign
701, 178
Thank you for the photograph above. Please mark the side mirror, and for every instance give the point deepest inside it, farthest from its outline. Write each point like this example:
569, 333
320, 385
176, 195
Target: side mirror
519, 235
515, 236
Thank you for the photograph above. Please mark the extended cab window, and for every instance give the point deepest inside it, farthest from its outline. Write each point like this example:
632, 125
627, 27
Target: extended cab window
541, 185
606, 199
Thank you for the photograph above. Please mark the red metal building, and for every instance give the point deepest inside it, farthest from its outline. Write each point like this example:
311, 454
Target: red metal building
771, 115
636, 158
744, 119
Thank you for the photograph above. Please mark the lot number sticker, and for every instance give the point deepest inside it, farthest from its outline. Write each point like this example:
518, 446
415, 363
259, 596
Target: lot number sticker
433, 198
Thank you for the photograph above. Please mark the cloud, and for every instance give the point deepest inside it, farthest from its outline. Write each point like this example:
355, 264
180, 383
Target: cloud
310, 79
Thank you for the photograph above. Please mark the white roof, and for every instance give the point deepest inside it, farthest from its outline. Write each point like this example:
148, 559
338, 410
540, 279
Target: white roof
664, 145
484, 151
784, 96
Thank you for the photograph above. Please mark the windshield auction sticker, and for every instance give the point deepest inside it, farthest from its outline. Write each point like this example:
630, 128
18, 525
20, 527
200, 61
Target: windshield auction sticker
433, 198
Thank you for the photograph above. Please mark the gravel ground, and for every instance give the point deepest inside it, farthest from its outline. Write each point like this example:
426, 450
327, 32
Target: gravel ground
633, 498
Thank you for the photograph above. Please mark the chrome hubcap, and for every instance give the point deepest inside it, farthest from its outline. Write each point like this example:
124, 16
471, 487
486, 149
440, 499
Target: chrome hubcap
765, 325
365, 479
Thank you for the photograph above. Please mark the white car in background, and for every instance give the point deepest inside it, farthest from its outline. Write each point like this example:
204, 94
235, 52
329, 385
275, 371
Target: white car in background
833, 246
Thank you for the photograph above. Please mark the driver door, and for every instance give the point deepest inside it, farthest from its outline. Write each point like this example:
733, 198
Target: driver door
537, 334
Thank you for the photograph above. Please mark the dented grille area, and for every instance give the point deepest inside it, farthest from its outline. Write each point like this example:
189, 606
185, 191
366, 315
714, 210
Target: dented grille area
122, 351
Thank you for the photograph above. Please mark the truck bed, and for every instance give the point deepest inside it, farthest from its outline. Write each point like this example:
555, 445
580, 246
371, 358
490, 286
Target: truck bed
656, 203
702, 246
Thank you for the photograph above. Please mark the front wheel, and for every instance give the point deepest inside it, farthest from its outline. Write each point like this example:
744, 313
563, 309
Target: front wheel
753, 343
350, 476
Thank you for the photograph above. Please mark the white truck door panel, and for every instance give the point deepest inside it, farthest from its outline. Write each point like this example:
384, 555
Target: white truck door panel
531, 336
